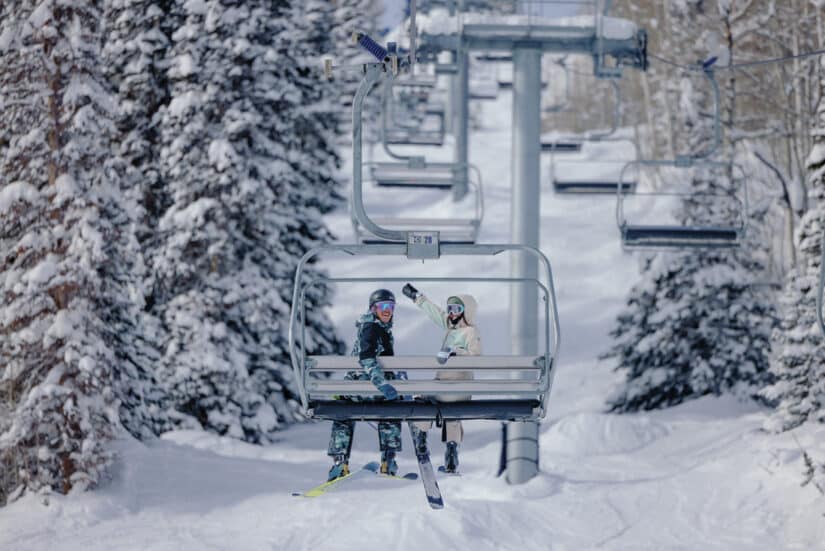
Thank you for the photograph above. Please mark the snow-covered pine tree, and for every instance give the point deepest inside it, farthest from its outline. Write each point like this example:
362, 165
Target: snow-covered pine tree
699, 323
248, 160
65, 249
134, 62
799, 365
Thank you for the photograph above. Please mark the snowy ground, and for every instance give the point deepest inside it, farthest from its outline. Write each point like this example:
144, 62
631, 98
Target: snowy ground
699, 476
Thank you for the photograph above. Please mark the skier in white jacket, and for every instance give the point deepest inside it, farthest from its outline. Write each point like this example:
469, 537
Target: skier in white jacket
462, 339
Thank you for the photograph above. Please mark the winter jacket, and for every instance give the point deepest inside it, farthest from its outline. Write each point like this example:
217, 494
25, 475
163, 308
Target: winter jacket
374, 339
464, 339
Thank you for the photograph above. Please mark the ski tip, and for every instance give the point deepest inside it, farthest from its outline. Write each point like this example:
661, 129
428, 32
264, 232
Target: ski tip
436, 503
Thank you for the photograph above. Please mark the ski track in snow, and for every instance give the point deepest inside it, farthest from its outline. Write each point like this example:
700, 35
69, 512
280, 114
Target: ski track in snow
698, 476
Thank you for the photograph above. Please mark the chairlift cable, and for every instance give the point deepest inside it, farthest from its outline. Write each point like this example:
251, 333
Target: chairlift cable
739, 65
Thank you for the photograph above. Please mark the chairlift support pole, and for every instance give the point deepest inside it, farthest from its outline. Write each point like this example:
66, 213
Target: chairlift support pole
522, 437
462, 128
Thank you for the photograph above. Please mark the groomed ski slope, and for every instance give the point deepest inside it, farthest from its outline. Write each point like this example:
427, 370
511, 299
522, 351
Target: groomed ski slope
701, 476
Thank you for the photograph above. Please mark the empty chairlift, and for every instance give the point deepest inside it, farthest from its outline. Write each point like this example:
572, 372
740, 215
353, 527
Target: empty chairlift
706, 220
415, 173
601, 178
592, 174
552, 142
483, 84
413, 121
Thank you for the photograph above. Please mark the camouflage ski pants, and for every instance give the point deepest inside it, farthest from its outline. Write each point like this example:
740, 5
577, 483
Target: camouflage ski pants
340, 440
389, 432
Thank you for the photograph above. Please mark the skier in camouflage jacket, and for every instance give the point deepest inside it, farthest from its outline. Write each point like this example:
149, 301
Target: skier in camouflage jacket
374, 339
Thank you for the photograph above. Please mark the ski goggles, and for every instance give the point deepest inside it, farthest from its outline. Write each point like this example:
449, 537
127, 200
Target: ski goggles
384, 306
455, 309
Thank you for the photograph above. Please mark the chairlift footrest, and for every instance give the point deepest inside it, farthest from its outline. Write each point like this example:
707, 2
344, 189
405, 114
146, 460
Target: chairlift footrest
409, 410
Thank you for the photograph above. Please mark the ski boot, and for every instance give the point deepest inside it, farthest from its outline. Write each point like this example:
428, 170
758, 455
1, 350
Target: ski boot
339, 468
388, 464
420, 442
451, 457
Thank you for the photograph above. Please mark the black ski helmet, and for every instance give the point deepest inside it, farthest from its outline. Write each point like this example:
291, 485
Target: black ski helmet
380, 295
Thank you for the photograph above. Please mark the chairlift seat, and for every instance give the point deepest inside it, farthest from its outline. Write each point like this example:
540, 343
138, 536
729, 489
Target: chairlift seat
495, 57
483, 89
403, 137
592, 187
561, 147
502, 397
432, 175
680, 236
504, 410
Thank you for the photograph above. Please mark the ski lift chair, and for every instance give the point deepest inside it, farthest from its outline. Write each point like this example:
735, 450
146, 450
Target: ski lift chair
452, 230
553, 145
723, 234
416, 173
718, 234
505, 388
423, 126
550, 142
591, 185
482, 81
495, 57
573, 144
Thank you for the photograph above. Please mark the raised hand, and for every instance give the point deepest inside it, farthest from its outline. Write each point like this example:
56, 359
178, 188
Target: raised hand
410, 291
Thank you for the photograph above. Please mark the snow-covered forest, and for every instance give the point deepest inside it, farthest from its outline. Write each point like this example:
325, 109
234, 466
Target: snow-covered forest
164, 166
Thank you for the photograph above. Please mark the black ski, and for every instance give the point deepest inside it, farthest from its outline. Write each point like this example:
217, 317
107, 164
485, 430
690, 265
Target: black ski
425, 467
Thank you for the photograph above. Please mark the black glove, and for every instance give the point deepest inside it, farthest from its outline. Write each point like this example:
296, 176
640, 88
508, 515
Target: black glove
410, 291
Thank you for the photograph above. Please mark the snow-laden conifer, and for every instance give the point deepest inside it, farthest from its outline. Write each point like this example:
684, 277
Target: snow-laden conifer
134, 62
248, 163
700, 321
799, 366
65, 248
